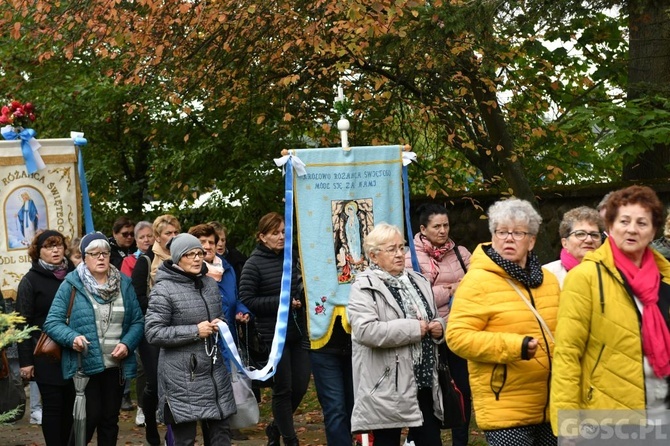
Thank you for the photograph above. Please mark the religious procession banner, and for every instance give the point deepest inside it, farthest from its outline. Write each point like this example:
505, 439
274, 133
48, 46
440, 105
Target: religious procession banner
45, 199
339, 199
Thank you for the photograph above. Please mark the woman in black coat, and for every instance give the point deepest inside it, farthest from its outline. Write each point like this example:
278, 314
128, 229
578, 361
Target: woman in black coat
260, 287
34, 296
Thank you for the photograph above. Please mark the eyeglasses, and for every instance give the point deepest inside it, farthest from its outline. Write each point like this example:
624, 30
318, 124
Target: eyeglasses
516, 235
581, 235
195, 254
395, 249
53, 247
97, 255
127, 234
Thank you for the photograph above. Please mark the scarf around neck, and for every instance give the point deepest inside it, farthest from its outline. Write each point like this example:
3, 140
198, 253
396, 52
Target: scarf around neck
568, 260
434, 253
106, 292
645, 282
160, 255
215, 269
59, 271
412, 303
531, 276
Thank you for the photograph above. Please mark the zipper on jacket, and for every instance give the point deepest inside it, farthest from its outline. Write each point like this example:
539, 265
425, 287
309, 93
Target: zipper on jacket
397, 364
503, 379
385, 375
192, 365
589, 395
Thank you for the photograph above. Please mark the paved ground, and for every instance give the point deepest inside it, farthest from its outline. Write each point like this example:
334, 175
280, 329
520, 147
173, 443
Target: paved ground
308, 422
23, 433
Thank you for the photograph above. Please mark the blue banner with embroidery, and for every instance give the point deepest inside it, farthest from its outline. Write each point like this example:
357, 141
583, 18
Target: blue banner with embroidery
29, 146
339, 199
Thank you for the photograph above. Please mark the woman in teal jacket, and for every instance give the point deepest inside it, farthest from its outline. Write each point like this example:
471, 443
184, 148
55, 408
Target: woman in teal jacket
105, 327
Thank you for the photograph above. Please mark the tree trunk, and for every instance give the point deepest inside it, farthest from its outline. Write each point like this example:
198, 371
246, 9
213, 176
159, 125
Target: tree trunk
649, 75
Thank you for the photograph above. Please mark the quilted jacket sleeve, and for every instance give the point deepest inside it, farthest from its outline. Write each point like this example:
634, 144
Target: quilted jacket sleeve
469, 334
55, 325
249, 293
159, 329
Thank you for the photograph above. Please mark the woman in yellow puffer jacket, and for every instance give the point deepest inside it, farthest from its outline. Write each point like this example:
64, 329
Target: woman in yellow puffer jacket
612, 341
501, 321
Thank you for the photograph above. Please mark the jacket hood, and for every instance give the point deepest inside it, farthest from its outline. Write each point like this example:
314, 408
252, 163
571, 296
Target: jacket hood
168, 271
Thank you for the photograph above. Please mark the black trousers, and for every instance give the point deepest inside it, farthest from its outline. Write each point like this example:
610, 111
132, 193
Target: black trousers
214, 432
426, 435
290, 384
57, 403
103, 403
149, 356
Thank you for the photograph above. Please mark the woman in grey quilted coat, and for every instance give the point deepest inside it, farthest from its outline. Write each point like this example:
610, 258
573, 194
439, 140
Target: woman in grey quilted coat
193, 383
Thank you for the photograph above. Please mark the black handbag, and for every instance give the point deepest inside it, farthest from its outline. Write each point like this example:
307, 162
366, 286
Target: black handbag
452, 398
12, 393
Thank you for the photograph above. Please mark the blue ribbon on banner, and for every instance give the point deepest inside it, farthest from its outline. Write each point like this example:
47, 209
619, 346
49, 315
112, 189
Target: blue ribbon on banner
25, 135
279, 339
408, 222
83, 184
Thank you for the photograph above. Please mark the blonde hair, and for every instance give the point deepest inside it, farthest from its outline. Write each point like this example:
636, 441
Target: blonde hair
382, 233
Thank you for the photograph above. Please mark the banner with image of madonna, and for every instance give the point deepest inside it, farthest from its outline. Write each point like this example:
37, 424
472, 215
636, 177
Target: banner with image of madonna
338, 201
46, 199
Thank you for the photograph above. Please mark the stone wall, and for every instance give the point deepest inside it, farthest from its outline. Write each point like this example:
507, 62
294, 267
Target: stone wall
469, 225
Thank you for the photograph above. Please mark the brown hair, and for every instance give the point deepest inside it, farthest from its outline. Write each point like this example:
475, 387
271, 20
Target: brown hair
576, 215
642, 195
219, 227
268, 223
53, 240
121, 223
204, 230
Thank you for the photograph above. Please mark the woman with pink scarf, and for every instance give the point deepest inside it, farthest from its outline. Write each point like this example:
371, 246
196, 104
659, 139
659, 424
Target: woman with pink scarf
444, 264
612, 351
580, 230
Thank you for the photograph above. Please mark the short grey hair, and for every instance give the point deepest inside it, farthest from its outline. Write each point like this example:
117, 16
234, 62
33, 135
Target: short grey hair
382, 233
514, 210
576, 215
98, 244
143, 225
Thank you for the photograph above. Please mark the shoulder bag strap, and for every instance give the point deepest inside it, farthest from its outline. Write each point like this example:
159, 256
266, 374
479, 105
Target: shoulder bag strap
534, 310
69, 308
460, 258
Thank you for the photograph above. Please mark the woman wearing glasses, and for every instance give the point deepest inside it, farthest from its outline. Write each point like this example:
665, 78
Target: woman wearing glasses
395, 327
501, 321
34, 297
444, 264
193, 382
613, 338
260, 287
105, 327
581, 231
